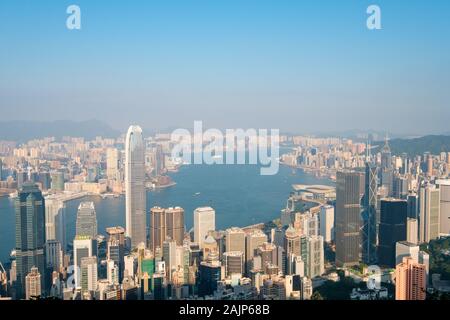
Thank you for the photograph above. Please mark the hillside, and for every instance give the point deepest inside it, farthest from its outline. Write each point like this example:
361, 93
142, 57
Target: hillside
417, 146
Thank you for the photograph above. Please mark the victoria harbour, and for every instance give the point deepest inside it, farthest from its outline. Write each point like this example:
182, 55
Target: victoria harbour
239, 193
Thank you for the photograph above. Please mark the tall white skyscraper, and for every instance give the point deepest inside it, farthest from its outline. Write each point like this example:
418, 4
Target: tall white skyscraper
204, 221
55, 225
326, 221
135, 186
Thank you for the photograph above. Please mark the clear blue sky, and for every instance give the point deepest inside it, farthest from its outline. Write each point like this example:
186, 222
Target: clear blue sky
303, 66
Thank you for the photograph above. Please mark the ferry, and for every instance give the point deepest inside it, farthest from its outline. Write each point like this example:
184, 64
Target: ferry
109, 195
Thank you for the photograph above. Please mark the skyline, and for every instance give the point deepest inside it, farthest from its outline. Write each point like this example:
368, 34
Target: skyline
296, 66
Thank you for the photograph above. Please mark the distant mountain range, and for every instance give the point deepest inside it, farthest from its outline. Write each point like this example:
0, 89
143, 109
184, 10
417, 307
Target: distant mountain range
22, 131
434, 144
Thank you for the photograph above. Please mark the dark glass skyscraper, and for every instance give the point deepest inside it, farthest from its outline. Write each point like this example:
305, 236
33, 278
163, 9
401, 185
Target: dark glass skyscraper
387, 172
209, 275
369, 237
349, 191
30, 234
392, 229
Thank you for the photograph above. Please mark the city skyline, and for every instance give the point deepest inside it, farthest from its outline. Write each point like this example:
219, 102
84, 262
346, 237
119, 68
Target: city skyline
249, 151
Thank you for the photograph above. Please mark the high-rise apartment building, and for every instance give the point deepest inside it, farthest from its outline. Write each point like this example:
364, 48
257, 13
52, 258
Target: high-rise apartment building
136, 200
410, 280
112, 163
33, 282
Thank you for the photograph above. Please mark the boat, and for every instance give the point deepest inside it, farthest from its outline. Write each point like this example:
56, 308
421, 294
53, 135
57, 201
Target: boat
108, 196
197, 194
13, 195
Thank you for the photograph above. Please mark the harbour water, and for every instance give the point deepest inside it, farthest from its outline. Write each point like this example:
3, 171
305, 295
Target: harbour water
238, 193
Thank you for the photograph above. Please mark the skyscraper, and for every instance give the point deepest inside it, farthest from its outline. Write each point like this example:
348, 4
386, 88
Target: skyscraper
292, 242
175, 224
410, 280
55, 223
387, 172
413, 206
392, 229
158, 230
53, 255
253, 240
57, 181
88, 275
83, 247
135, 186
234, 263
204, 221
86, 225
444, 187
386, 155
30, 234
115, 247
314, 264
166, 224
112, 163
235, 240
209, 275
429, 204
349, 191
326, 221
412, 230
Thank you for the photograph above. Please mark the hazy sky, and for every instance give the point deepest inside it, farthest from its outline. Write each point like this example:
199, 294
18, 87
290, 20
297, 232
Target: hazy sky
290, 64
